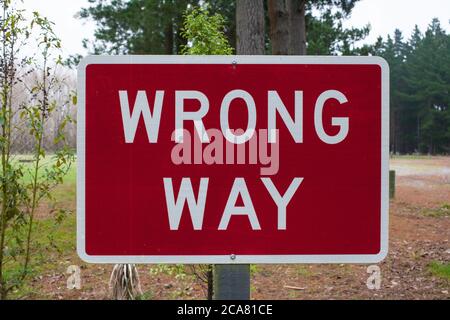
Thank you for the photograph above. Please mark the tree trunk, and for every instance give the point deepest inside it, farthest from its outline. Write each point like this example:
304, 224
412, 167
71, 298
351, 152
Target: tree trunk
297, 27
210, 277
168, 36
250, 27
279, 26
392, 131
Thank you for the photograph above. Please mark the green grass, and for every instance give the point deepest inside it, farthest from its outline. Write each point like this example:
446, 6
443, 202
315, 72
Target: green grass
303, 271
147, 295
51, 241
52, 238
442, 211
176, 270
62, 193
28, 167
253, 269
439, 269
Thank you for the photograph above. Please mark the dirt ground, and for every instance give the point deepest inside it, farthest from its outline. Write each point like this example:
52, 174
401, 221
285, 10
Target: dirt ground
419, 236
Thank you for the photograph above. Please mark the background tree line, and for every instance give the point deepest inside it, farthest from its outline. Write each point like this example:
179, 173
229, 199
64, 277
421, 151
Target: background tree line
420, 65
154, 26
23, 142
420, 89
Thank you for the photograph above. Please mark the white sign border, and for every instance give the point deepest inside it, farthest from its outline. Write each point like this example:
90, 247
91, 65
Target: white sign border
231, 258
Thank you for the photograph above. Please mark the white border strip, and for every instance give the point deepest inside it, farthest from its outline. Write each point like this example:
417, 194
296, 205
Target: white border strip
238, 259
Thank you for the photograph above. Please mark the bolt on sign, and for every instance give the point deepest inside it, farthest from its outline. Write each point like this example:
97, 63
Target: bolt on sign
232, 159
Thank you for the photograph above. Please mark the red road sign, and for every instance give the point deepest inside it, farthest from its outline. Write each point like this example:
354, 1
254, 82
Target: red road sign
236, 159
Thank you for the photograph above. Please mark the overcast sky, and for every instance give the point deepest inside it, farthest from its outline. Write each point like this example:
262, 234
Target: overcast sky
383, 15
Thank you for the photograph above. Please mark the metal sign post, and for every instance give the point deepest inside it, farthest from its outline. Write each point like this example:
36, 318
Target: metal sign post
232, 282
391, 184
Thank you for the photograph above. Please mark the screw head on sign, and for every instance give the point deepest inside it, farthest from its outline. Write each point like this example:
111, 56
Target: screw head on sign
232, 256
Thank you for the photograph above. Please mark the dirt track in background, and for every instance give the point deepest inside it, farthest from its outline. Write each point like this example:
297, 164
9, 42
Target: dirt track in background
419, 235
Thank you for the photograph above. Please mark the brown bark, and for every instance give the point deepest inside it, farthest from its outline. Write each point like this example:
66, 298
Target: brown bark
279, 26
250, 27
297, 27
168, 32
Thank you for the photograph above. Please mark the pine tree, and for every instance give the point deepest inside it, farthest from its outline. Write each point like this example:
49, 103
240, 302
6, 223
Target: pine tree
420, 86
137, 26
